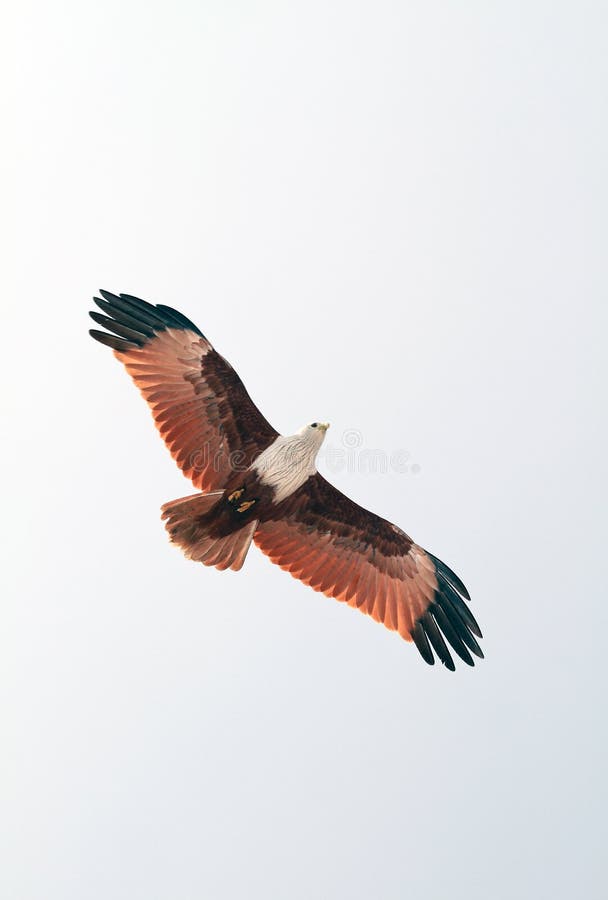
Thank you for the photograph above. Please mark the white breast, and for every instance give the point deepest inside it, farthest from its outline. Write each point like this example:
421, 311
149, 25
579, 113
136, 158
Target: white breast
286, 465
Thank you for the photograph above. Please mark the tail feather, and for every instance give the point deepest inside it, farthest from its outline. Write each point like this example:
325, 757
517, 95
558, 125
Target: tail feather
190, 522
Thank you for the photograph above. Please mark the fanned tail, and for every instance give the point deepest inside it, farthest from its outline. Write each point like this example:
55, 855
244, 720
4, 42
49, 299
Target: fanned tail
190, 523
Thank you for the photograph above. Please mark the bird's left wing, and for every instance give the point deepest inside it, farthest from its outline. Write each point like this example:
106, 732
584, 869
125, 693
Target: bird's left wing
200, 405
335, 546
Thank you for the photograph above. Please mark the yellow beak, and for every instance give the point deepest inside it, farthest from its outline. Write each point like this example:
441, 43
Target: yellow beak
323, 426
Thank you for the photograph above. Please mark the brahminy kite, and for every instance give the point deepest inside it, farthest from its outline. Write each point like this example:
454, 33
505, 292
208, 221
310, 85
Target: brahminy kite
258, 485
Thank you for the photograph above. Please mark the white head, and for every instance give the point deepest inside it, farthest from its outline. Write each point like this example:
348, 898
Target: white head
290, 460
314, 433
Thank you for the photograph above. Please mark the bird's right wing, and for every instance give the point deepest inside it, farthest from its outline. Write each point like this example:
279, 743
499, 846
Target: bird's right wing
335, 546
201, 408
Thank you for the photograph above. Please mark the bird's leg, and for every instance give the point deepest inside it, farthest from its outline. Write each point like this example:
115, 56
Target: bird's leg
245, 506
235, 495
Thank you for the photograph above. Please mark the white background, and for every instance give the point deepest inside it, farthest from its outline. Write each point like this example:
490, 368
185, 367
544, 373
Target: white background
388, 215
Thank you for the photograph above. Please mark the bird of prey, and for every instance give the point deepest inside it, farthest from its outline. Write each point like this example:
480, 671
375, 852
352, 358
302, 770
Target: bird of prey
257, 485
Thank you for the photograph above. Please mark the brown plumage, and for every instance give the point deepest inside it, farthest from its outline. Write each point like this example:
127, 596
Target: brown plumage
216, 434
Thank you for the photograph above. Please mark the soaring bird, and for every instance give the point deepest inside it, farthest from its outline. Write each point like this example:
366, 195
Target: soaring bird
257, 485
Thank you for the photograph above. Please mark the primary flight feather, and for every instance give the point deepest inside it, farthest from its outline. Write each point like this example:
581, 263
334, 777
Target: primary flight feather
258, 485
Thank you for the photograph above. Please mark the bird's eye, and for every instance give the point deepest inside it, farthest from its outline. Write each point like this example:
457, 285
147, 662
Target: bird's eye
314, 425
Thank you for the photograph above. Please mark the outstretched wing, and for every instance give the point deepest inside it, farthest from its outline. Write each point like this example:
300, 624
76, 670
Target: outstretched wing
330, 543
199, 403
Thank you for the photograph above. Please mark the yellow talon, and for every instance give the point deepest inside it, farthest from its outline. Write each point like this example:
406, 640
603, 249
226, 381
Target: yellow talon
245, 506
235, 495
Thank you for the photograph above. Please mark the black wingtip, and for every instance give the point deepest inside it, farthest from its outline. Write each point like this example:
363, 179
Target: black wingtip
134, 320
436, 640
111, 340
447, 618
450, 576
455, 629
179, 318
129, 334
108, 296
420, 639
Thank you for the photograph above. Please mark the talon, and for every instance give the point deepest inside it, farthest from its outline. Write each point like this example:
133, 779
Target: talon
235, 495
245, 506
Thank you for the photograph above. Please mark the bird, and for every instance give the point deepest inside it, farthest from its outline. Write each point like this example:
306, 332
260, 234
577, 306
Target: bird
255, 485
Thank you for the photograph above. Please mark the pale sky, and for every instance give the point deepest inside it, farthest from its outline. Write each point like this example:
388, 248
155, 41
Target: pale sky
390, 216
